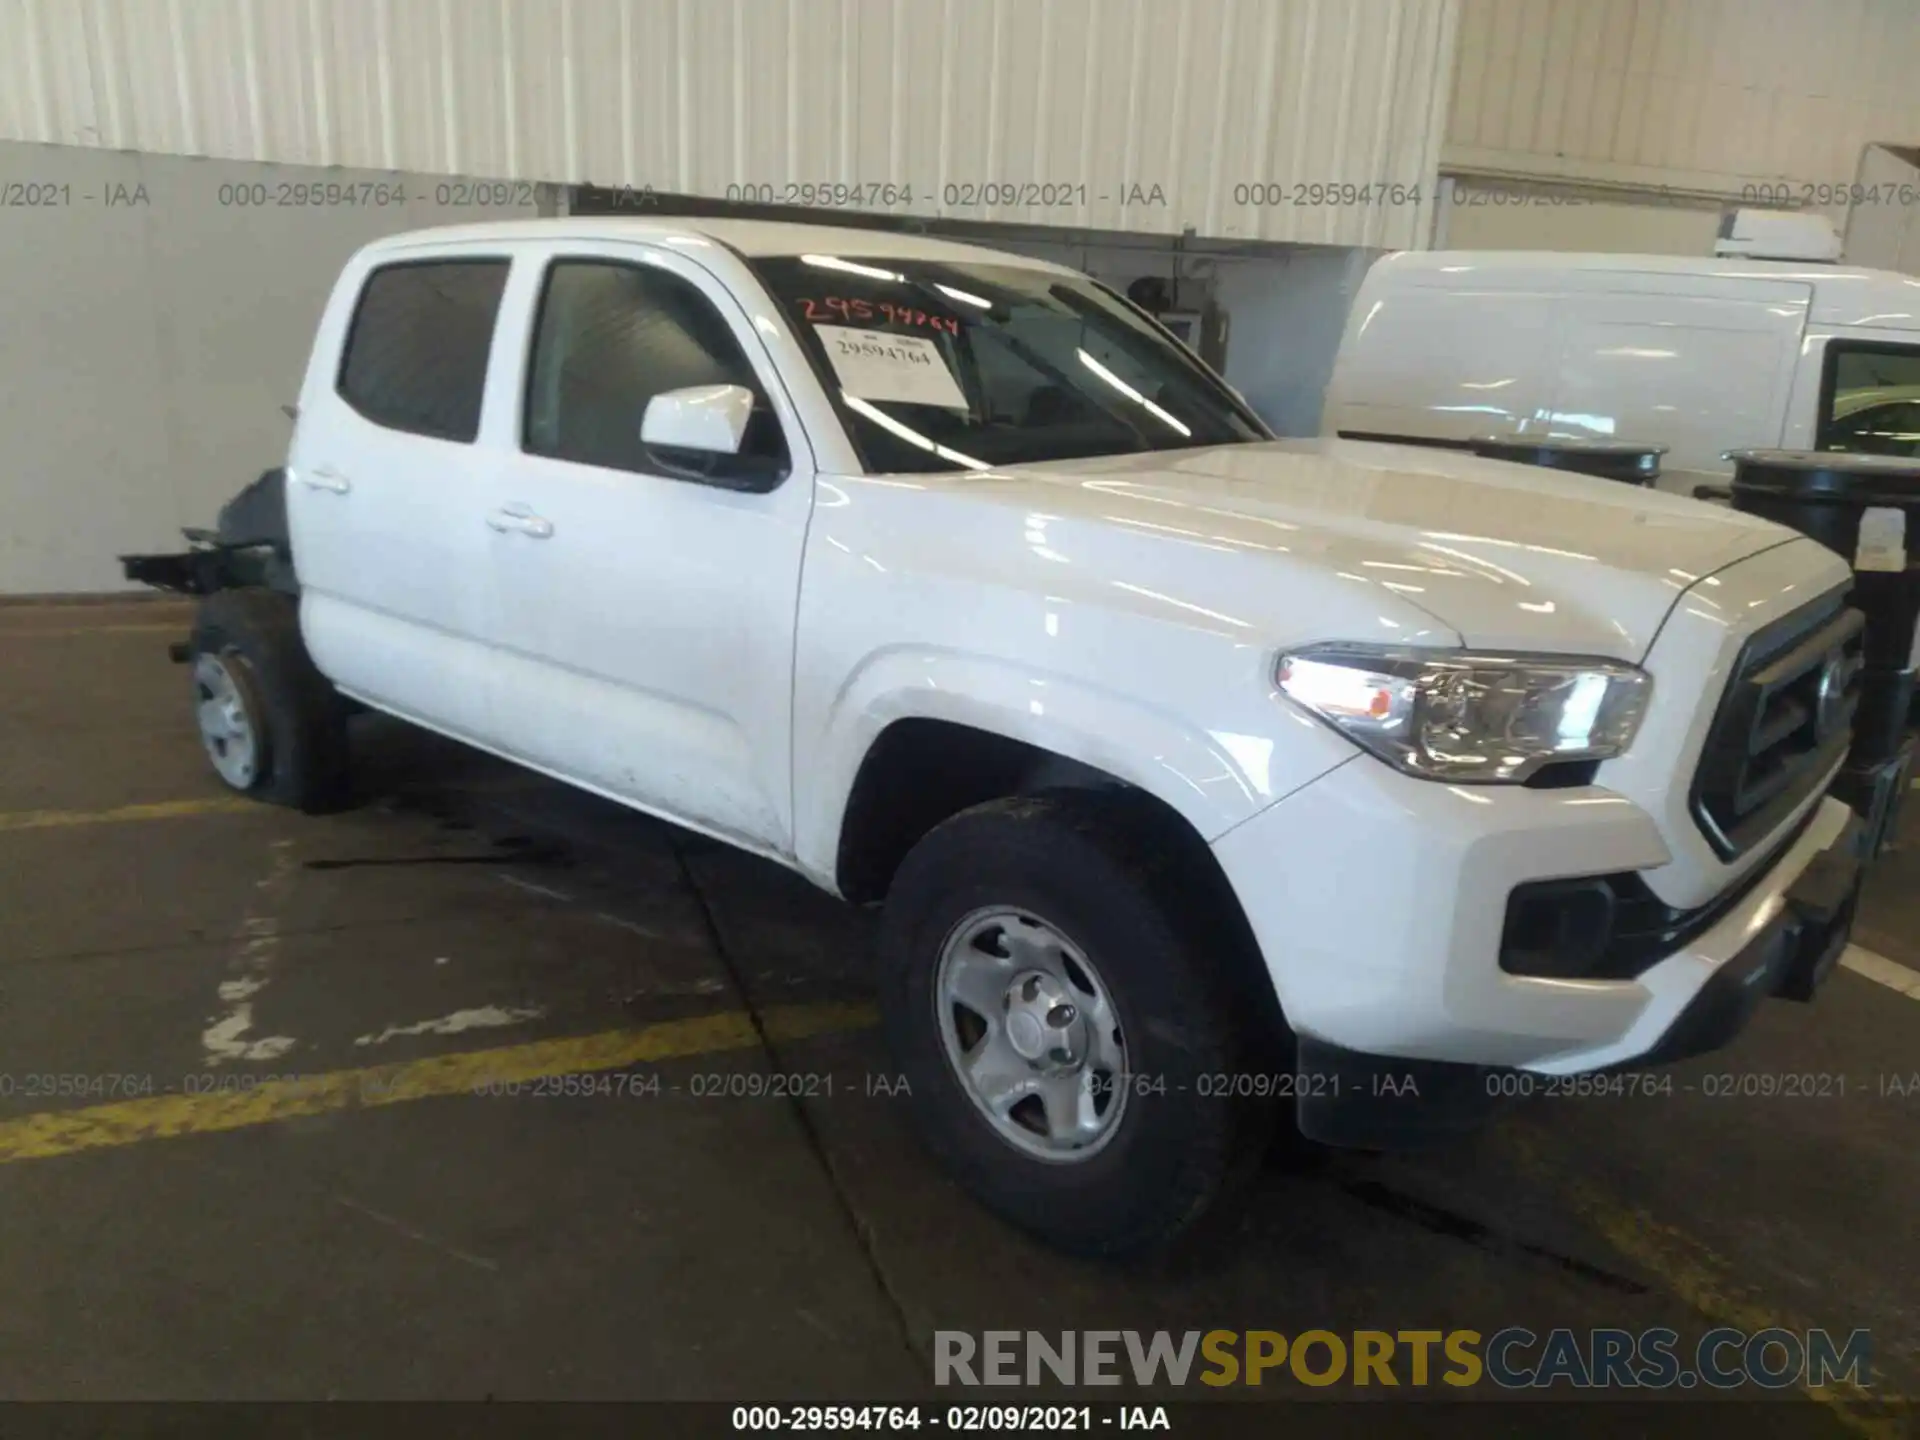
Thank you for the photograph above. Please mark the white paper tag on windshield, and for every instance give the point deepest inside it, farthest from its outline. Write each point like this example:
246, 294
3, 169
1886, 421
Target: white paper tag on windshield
906, 369
1883, 540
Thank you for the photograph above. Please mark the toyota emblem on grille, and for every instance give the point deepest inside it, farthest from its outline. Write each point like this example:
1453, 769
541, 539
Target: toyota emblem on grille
1832, 694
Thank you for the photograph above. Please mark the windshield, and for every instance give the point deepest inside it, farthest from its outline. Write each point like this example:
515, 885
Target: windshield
940, 366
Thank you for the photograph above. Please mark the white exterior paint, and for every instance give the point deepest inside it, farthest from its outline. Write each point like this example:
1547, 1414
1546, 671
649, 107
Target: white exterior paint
1090, 97
1125, 612
1407, 866
1702, 356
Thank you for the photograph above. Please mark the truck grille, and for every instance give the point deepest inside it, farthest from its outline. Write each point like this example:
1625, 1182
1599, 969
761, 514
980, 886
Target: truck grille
1785, 722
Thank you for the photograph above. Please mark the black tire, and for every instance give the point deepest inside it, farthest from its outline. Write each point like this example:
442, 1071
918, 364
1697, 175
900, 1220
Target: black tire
1107, 873
301, 717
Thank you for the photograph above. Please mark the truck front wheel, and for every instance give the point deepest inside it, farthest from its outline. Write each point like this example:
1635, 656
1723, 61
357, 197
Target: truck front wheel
271, 724
1067, 1029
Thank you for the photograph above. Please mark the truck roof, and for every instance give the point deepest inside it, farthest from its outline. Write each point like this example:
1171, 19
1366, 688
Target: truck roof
1841, 294
749, 237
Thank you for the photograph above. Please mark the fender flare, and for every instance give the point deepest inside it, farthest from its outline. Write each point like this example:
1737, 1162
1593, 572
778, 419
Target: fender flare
1141, 744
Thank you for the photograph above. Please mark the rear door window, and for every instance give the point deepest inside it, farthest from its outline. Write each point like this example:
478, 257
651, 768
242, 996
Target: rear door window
1870, 399
416, 353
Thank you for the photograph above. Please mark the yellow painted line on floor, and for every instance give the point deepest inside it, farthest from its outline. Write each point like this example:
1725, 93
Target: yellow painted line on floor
167, 1117
1703, 1281
1890, 973
123, 814
178, 627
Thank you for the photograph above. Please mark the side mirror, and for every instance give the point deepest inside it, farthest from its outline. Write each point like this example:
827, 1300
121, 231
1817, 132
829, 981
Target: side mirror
710, 418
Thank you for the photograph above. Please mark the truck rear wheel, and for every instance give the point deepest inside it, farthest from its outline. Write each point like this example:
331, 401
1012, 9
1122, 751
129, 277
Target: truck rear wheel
271, 724
1068, 1033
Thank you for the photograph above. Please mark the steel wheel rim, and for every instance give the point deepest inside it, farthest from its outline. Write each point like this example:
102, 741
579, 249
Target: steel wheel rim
1052, 1084
229, 731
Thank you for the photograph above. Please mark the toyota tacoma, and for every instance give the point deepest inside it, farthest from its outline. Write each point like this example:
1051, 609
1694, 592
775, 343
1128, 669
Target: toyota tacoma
1202, 779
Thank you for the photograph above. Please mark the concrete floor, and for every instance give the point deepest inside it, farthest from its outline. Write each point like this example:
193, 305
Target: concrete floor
671, 1243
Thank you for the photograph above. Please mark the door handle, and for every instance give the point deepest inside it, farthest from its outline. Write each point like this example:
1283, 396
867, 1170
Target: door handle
520, 521
324, 477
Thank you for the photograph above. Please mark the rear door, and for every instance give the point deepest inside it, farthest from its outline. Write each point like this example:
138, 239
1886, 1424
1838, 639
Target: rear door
383, 489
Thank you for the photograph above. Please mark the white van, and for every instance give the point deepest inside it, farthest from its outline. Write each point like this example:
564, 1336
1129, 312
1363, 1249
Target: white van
1699, 355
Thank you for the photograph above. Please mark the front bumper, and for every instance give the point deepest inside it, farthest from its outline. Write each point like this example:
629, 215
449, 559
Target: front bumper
1379, 901
1378, 1102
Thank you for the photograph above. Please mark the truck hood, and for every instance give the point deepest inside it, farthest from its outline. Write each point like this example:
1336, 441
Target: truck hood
1509, 556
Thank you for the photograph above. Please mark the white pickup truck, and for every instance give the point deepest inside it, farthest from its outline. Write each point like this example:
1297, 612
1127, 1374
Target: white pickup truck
1203, 776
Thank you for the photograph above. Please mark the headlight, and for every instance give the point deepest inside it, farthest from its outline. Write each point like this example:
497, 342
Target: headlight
1455, 715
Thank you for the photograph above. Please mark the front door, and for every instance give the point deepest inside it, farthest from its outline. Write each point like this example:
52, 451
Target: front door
645, 608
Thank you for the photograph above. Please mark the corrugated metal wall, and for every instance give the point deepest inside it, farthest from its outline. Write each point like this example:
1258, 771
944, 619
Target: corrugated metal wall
155, 314
1703, 95
1144, 114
